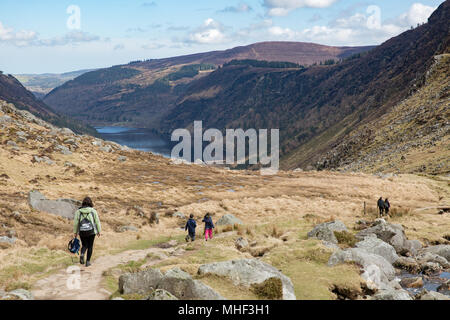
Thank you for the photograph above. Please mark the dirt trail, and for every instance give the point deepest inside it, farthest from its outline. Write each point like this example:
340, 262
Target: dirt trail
55, 286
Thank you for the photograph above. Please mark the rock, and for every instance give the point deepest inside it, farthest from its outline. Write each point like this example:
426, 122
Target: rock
390, 233
70, 141
241, 243
444, 288
430, 268
161, 294
19, 294
5, 119
127, 228
66, 132
377, 270
97, 143
63, 149
8, 240
415, 282
106, 148
325, 231
432, 295
442, 250
425, 257
247, 272
392, 294
374, 245
44, 159
177, 282
69, 164
179, 215
412, 246
62, 207
11, 144
122, 158
228, 219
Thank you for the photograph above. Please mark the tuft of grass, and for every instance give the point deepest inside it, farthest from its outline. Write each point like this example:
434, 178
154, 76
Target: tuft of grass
271, 289
346, 238
132, 266
17, 285
275, 232
399, 212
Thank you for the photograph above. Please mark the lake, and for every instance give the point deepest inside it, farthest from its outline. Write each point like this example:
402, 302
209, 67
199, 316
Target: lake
139, 139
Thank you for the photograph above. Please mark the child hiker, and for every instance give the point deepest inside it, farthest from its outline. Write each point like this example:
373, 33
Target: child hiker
190, 226
209, 226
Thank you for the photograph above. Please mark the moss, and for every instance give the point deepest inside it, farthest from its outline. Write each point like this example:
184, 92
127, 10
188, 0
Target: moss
346, 238
271, 289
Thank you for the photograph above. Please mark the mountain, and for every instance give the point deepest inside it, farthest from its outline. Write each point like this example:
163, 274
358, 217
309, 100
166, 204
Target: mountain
142, 92
41, 84
12, 91
317, 107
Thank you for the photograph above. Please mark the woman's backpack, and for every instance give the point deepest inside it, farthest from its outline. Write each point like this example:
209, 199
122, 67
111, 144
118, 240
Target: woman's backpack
74, 246
85, 226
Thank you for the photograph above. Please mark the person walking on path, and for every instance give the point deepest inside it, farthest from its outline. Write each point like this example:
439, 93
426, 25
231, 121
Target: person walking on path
87, 225
381, 206
209, 226
387, 206
190, 226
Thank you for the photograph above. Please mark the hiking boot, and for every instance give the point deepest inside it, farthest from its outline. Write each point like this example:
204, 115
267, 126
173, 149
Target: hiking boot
88, 263
81, 259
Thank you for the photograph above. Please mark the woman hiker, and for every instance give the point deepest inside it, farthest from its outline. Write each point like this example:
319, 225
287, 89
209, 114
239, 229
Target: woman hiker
86, 223
209, 226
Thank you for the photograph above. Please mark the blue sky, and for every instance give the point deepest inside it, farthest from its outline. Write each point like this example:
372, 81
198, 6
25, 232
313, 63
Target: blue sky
43, 36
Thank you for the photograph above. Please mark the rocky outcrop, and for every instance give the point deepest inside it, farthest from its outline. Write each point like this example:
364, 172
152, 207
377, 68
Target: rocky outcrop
374, 245
175, 281
325, 231
61, 207
248, 272
440, 250
228, 219
18, 294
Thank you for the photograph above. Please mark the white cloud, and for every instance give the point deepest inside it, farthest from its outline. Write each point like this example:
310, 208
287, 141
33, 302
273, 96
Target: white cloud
284, 7
417, 14
210, 32
242, 7
19, 38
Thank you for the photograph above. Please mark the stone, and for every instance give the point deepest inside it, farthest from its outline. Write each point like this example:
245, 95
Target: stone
413, 246
325, 231
97, 143
11, 144
161, 294
106, 148
19, 294
127, 228
390, 233
377, 271
432, 295
377, 246
430, 268
228, 219
8, 240
392, 294
179, 215
179, 283
44, 159
247, 272
442, 250
122, 158
66, 132
425, 257
62, 207
63, 150
408, 264
241, 243
5, 119
415, 282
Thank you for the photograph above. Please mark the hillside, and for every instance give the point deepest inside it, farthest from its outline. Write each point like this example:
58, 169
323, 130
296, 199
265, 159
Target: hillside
127, 186
12, 91
143, 92
412, 137
41, 84
315, 107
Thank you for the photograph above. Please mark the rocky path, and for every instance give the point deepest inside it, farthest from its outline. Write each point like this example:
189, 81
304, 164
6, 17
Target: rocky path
58, 286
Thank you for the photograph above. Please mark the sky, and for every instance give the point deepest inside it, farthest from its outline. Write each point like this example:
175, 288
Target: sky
59, 36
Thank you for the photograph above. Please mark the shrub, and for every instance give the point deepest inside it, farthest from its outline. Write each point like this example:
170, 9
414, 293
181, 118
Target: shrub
271, 289
346, 238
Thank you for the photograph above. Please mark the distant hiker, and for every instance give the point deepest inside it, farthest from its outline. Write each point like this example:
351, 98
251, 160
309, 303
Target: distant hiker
387, 206
209, 226
87, 225
190, 226
381, 206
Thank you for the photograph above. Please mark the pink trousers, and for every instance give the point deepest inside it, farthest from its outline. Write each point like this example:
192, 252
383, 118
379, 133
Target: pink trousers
208, 232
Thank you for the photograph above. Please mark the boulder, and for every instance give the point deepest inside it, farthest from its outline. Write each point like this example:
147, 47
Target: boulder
442, 250
408, 264
66, 132
377, 271
179, 283
390, 233
19, 294
413, 246
107, 148
228, 219
161, 294
241, 243
62, 207
374, 245
8, 240
414, 282
430, 268
425, 257
392, 294
432, 295
63, 150
122, 158
247, 272
325, 231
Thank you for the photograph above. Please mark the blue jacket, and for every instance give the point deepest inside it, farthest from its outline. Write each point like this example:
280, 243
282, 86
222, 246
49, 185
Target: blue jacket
191, 225
208, 223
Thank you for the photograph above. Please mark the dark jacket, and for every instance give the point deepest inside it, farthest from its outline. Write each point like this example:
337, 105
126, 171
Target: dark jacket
191, 225
208, 223
380, 203
387, 205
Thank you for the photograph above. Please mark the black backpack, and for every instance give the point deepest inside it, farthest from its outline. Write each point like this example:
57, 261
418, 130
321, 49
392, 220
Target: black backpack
85, 226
